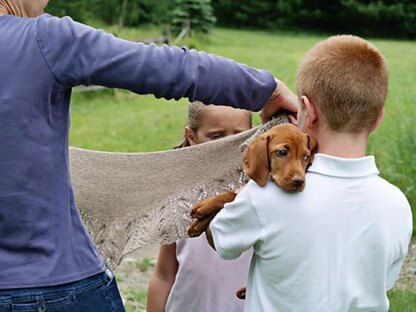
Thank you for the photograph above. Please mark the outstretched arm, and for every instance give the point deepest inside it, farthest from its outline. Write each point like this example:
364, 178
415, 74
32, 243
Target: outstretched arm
78, 54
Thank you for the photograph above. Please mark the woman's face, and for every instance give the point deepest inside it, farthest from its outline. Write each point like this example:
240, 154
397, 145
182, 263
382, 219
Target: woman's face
219, 122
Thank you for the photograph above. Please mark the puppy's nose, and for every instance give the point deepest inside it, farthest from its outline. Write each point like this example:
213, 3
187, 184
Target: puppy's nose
298, 180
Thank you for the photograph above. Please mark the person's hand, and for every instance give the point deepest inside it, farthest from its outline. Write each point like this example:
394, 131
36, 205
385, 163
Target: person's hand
281, 98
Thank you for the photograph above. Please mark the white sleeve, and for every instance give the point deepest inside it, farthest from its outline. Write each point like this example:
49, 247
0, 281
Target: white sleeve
237, 227
393, 273
404, 228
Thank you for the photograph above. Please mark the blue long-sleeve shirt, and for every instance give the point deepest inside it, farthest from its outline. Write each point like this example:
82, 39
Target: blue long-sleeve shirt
43, 241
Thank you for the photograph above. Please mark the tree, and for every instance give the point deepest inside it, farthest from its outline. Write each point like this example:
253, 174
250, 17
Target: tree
195, 14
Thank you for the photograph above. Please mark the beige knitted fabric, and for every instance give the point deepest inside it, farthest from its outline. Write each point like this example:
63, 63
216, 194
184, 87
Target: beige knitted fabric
128, 200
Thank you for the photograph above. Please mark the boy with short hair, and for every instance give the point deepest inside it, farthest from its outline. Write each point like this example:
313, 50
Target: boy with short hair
339, 245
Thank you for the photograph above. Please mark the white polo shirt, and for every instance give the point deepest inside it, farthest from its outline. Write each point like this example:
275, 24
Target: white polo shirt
337, 246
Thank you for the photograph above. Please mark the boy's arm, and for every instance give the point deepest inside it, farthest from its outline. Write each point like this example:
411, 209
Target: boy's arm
393, 273
404, 231
237, 227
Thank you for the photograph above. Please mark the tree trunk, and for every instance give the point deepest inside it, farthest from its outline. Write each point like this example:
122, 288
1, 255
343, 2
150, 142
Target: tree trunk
122, 13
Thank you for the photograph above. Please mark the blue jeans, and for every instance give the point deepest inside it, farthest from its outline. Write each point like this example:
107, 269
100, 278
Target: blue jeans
98, 293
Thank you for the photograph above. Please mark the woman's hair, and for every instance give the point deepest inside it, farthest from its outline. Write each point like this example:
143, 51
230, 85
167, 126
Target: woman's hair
196, 111
346, 77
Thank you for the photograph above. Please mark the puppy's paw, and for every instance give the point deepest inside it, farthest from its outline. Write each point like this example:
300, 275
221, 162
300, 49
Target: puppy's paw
198, 226
241, 293
211, 205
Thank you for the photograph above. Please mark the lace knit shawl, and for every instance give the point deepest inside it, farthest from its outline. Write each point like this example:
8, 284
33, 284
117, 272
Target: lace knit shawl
129, 200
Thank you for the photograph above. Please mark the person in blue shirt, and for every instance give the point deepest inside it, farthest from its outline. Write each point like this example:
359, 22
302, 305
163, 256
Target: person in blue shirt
48, 261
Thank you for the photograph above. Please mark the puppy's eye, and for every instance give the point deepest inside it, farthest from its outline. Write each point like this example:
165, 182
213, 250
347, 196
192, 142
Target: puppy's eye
282, 153
307, 157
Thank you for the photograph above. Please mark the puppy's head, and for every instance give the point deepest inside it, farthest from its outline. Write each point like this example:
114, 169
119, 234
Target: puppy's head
284, 152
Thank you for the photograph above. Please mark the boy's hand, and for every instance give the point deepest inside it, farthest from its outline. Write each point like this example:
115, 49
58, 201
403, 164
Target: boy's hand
281, 98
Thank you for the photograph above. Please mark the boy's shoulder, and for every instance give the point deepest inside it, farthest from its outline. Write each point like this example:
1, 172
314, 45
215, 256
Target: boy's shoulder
269, 193
270, 186
389, 191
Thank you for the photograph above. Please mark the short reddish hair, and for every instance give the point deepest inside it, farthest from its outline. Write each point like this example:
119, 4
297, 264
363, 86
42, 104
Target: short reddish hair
346, 77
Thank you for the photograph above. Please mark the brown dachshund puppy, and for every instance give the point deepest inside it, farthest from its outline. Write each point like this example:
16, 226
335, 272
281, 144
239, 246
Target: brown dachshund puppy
283, 153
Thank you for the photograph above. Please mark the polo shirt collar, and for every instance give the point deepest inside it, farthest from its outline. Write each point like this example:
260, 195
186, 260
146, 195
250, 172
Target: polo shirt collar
344, 167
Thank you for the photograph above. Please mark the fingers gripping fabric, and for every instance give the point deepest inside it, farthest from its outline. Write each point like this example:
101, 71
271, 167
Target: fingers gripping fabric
129, 200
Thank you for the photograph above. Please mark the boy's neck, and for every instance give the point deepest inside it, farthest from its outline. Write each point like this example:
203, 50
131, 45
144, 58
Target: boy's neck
341, 144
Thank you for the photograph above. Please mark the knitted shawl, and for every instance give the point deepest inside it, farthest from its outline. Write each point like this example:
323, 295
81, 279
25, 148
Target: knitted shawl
129, 200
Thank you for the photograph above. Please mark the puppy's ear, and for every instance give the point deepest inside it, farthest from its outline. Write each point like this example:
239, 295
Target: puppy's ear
256, 160
313, 148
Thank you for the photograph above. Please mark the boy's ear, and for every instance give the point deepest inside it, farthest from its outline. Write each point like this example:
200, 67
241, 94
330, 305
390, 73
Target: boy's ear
256, 160
302, 101
378, 121
310, 108
190, 136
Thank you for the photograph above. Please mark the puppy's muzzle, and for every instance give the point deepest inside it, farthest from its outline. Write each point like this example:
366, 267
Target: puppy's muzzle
295, 183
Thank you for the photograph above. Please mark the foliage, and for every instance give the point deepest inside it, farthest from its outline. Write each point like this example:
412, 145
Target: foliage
195, 14
243, 13
77, 9
387, 18
124, 12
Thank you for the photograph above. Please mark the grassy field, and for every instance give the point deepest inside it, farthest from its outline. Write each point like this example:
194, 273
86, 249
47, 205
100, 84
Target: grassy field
122, 121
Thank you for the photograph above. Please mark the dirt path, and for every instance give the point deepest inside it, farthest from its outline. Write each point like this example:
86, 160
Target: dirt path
128, 272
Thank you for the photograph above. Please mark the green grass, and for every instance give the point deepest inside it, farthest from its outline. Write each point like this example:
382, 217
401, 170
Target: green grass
125, 122
135, 300
394, 143
402, 300
122, 121
145, 264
